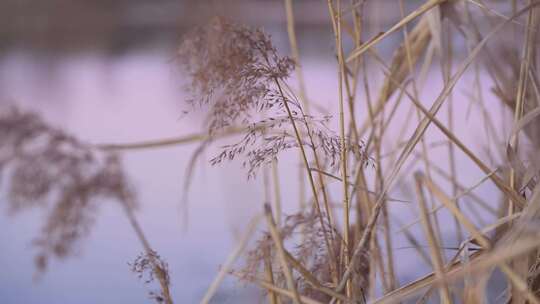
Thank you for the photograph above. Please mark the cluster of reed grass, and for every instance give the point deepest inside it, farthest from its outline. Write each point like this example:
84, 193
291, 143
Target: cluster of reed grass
328, 252
318, 256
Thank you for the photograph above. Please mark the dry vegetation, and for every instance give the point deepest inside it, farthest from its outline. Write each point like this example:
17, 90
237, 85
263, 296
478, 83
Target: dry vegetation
337, 247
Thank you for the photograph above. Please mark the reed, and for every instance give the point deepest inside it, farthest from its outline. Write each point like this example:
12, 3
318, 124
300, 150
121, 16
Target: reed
339, 246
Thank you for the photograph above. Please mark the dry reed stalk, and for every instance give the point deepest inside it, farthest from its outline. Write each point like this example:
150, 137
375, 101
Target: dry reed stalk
278, 290
302, 91
380, 264
499, 182
391, 279
264, 68
249, 52
464, 190
523, 102
277, 192
404, 21
419, 133
364, 203
515, 278
312, 280
434, 247
355, 186
278, 242
435, 209
289, 12
416, 43
433, 20
158, 268
414, 243
432, 17
318, 165
335, 14
230, 260
496, 180
479, 261
167, 142
327, 236
268, 272
387, 277
520, 95
351, 88
406, 291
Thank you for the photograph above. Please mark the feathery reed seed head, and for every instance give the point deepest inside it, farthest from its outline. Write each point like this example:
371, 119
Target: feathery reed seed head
231, 69
237, 72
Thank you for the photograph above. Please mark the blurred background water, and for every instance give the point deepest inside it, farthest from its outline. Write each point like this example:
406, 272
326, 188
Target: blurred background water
104, 70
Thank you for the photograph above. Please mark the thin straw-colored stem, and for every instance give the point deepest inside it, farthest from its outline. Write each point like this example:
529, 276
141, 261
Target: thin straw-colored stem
419, 132
518, 283
168, 142
159, 273
296, 54
436, 255
277, 192
310, 178
301, 85
336, 21
278, 242
421, 10
230, 260
278, 290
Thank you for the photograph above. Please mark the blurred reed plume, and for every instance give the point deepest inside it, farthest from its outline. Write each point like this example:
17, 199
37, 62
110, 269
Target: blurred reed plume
43, 166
